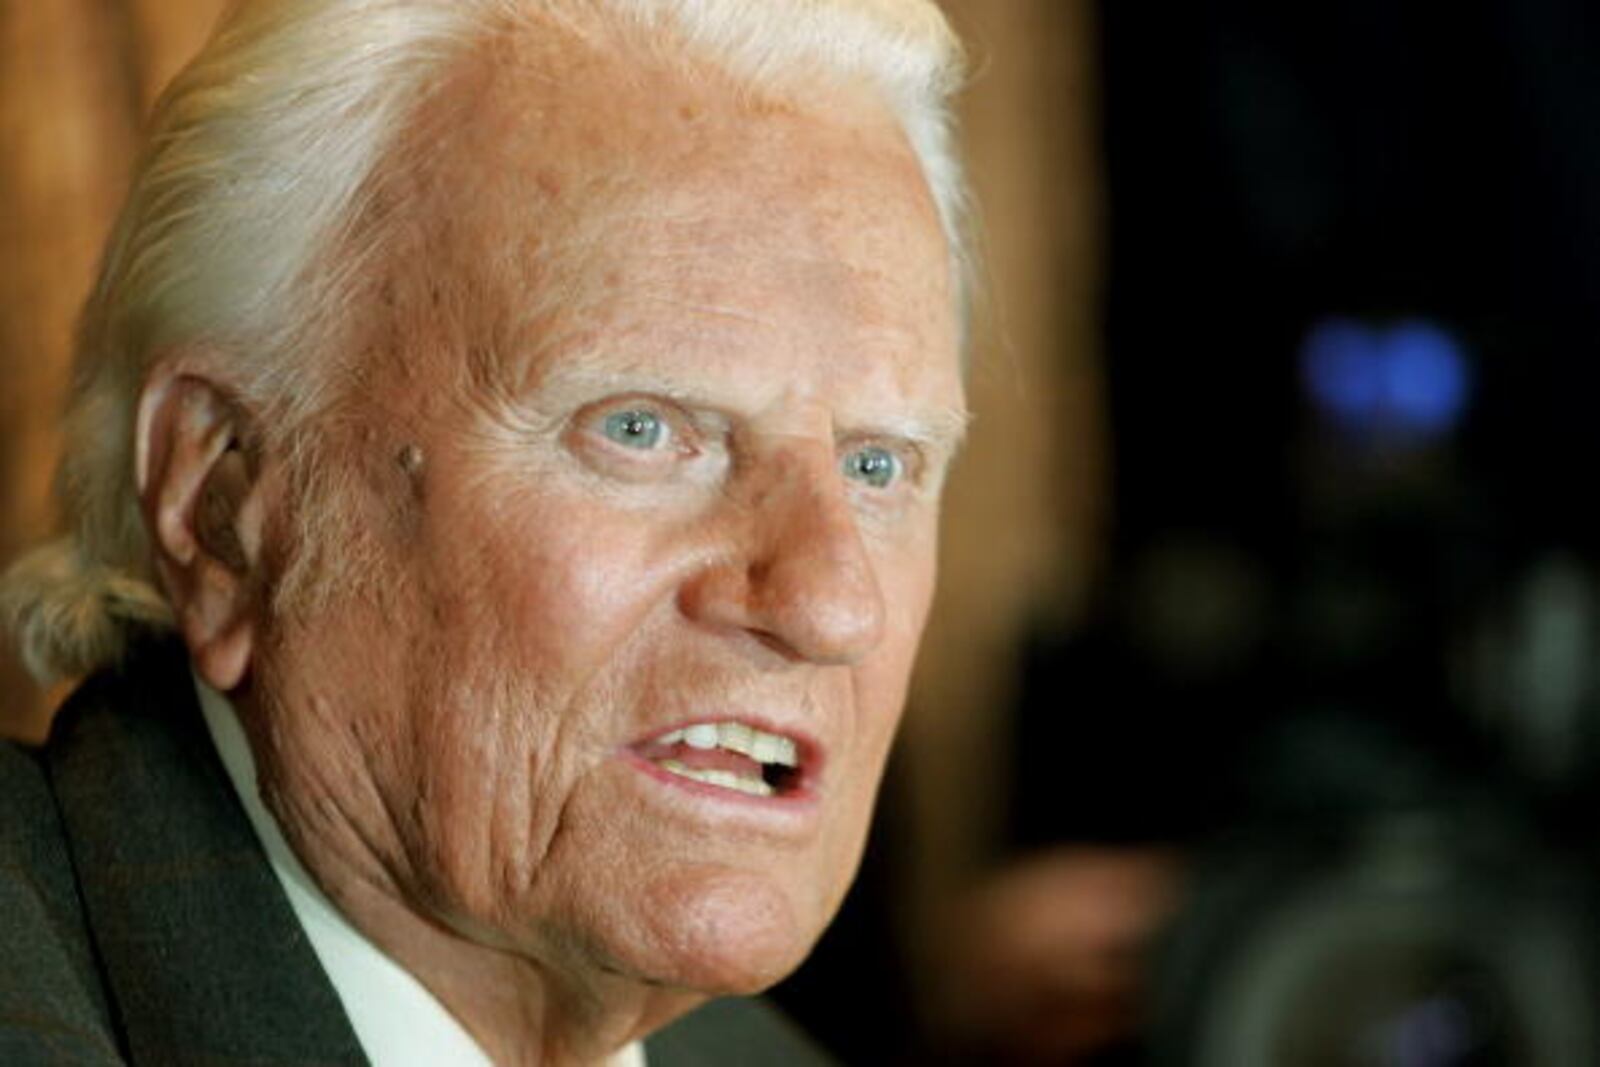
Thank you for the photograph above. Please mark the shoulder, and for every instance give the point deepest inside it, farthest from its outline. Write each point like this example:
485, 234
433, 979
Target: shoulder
52, 1006
55, 1005
36, 882
30, 833
735, 1030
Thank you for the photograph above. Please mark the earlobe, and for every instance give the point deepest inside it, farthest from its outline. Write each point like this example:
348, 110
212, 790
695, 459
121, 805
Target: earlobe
198, 489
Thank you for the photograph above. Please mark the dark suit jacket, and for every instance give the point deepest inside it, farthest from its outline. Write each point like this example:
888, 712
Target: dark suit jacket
140, 921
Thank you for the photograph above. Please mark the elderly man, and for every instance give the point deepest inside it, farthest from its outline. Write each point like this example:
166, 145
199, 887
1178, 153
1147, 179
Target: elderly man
503, 476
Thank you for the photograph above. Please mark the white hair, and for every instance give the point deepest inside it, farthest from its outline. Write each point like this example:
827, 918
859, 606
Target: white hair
254, 171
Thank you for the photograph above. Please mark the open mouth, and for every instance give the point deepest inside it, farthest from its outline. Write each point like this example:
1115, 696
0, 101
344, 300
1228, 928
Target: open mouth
729, 755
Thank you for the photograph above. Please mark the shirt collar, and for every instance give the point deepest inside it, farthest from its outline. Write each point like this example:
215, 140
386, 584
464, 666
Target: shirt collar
398, 1022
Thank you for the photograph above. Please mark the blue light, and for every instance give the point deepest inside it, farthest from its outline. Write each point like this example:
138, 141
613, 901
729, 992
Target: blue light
1343, 366
1425, 377
1411, 378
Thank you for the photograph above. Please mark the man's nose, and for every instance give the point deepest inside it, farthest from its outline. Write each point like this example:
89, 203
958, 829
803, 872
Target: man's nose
798, 577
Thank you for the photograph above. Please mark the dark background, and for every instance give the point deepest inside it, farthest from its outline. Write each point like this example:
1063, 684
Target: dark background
1271, 168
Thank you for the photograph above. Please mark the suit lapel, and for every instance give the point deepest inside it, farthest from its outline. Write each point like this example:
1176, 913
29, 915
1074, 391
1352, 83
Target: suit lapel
204, 957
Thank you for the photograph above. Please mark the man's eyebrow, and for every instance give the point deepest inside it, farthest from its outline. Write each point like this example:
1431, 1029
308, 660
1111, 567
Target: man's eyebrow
941, 429
591, 366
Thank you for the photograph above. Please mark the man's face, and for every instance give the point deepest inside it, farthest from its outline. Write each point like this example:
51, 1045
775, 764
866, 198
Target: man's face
665, 386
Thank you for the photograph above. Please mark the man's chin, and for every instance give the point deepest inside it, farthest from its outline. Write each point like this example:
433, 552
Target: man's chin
720, 933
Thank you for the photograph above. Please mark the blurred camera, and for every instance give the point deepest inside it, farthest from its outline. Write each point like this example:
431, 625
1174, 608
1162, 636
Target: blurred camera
1384, 918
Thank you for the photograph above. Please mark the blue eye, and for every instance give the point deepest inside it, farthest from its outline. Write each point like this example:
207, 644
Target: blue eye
643, 430
878, 467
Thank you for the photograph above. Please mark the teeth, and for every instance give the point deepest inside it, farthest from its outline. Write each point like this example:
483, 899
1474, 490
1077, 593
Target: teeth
702, 736
736, 737
726, 779
768, 749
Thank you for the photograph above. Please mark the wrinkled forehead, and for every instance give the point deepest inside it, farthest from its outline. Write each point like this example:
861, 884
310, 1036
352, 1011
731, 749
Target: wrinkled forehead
552, 169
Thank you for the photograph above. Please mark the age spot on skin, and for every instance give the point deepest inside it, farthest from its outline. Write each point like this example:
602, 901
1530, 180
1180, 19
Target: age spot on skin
411, 460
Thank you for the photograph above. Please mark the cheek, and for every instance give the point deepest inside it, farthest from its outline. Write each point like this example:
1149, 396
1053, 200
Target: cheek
881, 682
906, 564
518, 627
488, 776
549, 585
906, 581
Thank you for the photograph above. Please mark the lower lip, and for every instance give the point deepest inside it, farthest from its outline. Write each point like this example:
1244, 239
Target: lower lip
794, 800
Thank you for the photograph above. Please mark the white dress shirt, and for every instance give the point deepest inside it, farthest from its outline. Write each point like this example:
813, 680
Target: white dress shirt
398, 1022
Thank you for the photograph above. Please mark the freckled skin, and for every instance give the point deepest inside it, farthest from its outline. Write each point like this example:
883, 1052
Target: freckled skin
446, 755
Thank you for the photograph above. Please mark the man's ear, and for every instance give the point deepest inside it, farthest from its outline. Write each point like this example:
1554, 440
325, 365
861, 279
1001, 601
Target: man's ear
202, 495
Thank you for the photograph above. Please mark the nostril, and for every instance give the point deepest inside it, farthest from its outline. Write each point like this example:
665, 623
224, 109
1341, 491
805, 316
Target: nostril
774, 642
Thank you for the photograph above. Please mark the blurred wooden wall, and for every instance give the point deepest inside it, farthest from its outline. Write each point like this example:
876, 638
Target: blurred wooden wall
76, 77
1026, 508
